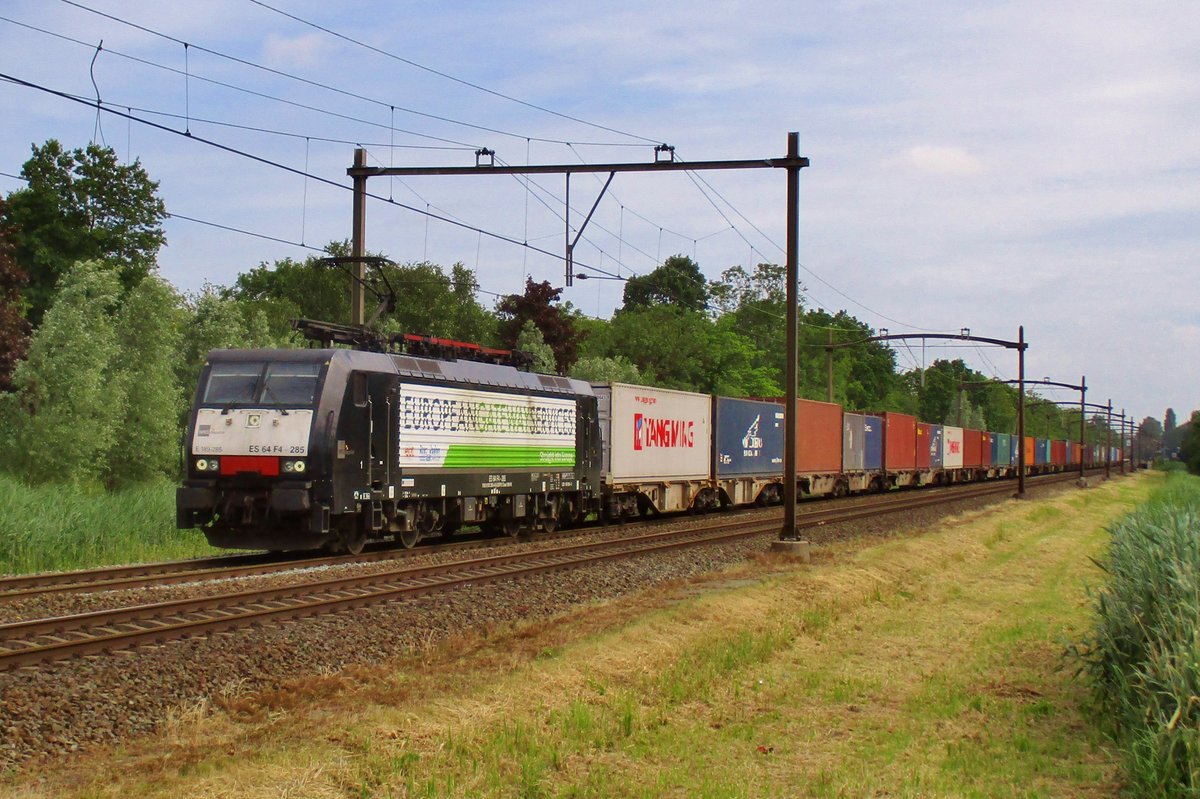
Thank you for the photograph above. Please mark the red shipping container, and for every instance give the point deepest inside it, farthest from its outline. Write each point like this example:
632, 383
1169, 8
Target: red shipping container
924, 433
899, 441
986, 439
818, 436
972, 448
1058, 453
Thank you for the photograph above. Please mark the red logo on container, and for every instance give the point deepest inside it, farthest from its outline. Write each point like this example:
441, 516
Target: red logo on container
955, 447
662, 433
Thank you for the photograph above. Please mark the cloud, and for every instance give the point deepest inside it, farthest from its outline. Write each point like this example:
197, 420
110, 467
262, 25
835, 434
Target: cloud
282, 52
952, 161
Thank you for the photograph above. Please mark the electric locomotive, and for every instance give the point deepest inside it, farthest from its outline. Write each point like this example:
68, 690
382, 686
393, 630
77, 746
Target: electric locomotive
328, 448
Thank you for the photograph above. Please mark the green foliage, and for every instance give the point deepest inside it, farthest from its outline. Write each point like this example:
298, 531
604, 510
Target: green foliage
531, 343
149, 332
89, 529
215, 322
289, 289
1143, 655
66, 422
1189, 449
1149, 437
83, 205
676, 348
14, 330
429, 302
678, 281
539, 304
603, 369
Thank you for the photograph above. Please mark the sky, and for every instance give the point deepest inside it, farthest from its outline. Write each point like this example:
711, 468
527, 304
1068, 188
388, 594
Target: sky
973, 165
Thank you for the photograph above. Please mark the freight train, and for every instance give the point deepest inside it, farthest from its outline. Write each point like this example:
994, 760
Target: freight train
329, 448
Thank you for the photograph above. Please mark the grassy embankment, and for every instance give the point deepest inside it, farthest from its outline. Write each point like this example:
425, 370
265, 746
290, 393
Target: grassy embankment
923, 665
52, 528
1143, 655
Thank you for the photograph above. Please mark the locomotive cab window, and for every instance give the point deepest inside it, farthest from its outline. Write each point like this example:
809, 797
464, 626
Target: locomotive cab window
290, 383
279, 383
230, 383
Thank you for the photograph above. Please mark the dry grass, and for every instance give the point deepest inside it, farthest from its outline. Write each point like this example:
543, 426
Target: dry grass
921, 666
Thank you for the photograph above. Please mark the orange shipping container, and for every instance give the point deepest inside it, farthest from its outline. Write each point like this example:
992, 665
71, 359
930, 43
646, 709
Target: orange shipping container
899, 441
972, 449
1030, 459
818, 436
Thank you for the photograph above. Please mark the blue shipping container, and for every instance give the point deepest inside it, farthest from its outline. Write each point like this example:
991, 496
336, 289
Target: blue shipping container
873, 443
1002, 449
935, 446
853, 434
1014, 450
749, 437
1041, 451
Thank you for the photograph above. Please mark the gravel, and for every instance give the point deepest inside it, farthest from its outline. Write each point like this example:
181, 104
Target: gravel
54, 710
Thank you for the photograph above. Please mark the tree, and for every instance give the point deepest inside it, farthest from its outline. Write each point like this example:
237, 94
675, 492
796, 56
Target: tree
83, 205
1149, 437
1169, 421
14, 330
214, 321
1189, 447
538, 304
678, 281
531, 343
149, 331
64, 423
289, 289
604, 369
430, 302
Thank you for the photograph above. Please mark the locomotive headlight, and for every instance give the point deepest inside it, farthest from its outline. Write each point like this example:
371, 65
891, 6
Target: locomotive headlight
207, 465
296, 467
299, 466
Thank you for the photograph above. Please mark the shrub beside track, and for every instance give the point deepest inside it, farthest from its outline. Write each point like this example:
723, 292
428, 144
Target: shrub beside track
1143, 655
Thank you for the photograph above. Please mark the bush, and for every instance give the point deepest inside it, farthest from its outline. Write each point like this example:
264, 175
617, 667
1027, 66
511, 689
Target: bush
1143, 656
57, 527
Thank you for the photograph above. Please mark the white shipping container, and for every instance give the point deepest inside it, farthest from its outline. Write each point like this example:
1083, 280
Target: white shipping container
952, 447
654, 433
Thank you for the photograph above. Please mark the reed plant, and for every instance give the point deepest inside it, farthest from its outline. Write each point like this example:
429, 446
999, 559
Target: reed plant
1142, 657
57, 527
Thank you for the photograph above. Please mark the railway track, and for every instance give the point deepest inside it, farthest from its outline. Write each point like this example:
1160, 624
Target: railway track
259, 564
36, 641
226, 567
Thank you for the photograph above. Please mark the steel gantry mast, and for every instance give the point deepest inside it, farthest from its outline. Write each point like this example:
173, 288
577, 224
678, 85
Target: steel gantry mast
664, 161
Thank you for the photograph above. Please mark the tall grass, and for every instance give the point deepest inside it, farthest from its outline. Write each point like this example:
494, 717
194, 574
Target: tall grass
1143, 655
57, 527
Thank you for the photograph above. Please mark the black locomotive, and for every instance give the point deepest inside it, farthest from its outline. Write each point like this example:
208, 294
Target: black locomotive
312, 448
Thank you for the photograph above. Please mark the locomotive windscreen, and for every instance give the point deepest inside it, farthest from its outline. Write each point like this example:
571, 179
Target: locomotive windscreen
275, 383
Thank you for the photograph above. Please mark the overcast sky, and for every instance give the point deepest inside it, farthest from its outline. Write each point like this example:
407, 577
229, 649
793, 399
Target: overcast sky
980, 165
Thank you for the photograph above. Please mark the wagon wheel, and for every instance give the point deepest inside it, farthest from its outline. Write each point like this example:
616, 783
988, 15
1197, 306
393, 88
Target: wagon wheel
511, 527
351, 537
549, 524
408, 538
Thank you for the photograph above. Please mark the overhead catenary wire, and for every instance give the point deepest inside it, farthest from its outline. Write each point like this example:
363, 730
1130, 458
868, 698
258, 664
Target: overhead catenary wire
325, 86
241, 89
268, 162
188, 76
450, 77
392, 107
